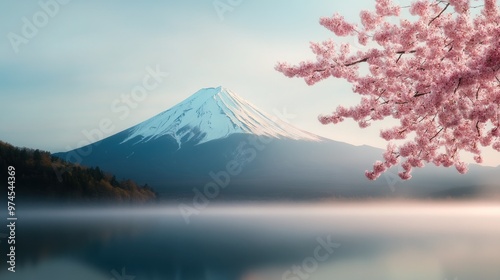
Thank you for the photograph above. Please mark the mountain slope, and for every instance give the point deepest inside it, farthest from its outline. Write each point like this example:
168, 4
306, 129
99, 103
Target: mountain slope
213, 113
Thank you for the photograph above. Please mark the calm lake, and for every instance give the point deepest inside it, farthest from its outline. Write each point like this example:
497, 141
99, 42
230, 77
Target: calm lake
370, 240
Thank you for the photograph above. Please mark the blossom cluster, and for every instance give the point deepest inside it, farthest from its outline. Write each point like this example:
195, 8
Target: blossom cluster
436, 72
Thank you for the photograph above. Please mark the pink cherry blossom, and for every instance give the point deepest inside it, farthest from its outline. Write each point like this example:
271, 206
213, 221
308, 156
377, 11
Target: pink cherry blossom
337, 25
436, 72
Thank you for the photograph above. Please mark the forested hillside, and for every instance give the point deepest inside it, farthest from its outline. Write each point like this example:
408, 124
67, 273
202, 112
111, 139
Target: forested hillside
41, 177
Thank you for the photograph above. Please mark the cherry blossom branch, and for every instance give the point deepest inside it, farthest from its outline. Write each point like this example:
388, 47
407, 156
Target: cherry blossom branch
445, 93
442, 11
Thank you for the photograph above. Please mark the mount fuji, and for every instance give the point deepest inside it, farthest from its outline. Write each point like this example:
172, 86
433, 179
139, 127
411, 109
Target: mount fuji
214, 137
210, 114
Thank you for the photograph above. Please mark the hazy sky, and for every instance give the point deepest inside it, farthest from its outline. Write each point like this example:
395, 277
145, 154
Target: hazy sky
63, 68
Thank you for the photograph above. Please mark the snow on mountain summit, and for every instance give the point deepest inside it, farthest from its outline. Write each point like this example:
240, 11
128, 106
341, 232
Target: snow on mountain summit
214, 113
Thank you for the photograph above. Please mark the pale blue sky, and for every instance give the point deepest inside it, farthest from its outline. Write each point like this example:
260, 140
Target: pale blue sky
65, 78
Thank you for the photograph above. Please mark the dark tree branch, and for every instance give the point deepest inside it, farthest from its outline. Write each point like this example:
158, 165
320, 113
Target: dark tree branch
444, 9
436, 134
357, 61
459, 81
420, 94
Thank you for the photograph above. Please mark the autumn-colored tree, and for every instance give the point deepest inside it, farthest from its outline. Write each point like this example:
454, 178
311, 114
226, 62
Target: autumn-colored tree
435, 71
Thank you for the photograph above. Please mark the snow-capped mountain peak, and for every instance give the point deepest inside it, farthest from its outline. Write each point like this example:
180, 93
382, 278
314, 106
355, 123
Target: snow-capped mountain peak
214, 113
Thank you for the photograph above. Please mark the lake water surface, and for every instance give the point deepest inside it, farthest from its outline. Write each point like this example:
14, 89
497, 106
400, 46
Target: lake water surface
348, 241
